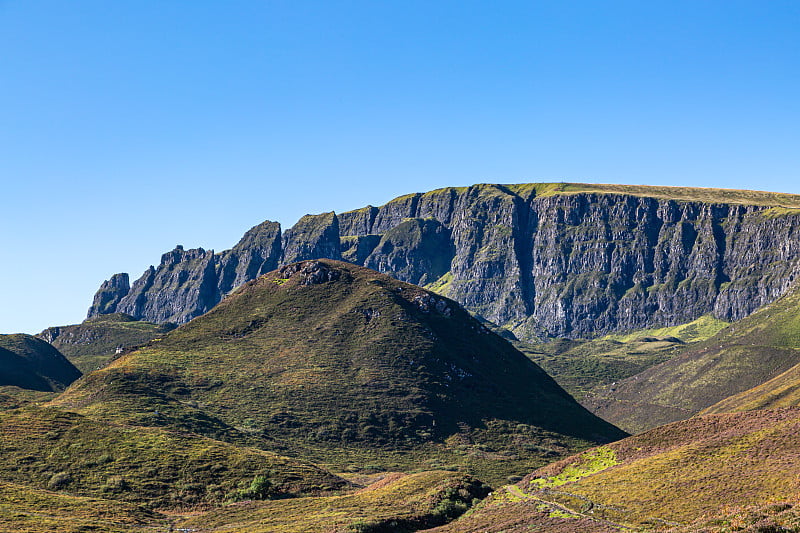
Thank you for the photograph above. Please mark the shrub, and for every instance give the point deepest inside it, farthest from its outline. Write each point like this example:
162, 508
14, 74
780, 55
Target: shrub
59, 480
261, 488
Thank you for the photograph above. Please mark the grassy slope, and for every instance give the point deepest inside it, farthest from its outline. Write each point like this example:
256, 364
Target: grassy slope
350, 372
780, 391
47, 448
670, 475
93, 343
582, 366
24, 509
741, 356
694, 194
779, 517
398, 503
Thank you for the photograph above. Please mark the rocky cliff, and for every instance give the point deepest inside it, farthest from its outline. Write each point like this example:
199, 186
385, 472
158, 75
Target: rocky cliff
566, 260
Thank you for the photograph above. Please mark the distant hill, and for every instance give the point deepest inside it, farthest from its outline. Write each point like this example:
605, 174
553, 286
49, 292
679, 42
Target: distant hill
741, 356
341, 364
542, 260
682, 473
93, 343
30, 363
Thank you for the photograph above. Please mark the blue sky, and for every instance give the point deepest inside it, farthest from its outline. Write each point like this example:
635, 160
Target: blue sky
129, 127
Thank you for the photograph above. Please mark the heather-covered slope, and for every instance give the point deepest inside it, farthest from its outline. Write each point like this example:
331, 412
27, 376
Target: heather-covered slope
94, 342
31, 510
337, 363
743, 355
30, 363
398, 503
670, 475
564, 260
47, 448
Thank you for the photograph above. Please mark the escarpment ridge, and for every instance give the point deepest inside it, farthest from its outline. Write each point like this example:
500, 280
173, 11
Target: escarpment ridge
541, 260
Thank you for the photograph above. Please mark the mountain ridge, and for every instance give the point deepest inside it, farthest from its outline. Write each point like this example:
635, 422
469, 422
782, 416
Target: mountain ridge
542, 260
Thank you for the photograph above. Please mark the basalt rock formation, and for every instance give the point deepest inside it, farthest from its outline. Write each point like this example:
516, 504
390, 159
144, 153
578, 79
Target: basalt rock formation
542, 260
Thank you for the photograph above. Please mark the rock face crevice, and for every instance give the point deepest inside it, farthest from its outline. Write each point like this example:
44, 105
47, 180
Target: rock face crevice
540, 263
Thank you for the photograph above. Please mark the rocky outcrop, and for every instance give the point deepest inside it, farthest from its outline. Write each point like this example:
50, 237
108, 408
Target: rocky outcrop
188, 283
184, 286
539, 259
313, 236
257, 253
417, 250
109, 294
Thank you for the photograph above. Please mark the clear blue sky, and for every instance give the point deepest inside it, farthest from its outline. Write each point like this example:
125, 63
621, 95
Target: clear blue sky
129, 127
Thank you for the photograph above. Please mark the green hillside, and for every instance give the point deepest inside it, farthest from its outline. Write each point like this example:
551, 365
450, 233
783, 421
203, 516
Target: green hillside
692, 194
94, 342
583, 366
741, 356
341, 365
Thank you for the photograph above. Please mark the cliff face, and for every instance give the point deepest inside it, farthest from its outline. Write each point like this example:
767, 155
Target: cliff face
539, 259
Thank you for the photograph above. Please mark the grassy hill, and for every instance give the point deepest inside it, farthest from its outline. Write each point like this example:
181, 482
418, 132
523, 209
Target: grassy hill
30, 510
671, 476
341, 365
30, 363
741, 356
94, 342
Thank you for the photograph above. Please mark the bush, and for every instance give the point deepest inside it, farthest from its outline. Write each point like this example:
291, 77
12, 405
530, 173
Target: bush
261, 488
59, 480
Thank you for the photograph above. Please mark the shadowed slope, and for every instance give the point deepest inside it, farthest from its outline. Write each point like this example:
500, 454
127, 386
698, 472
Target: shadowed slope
30, 363
328, 360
